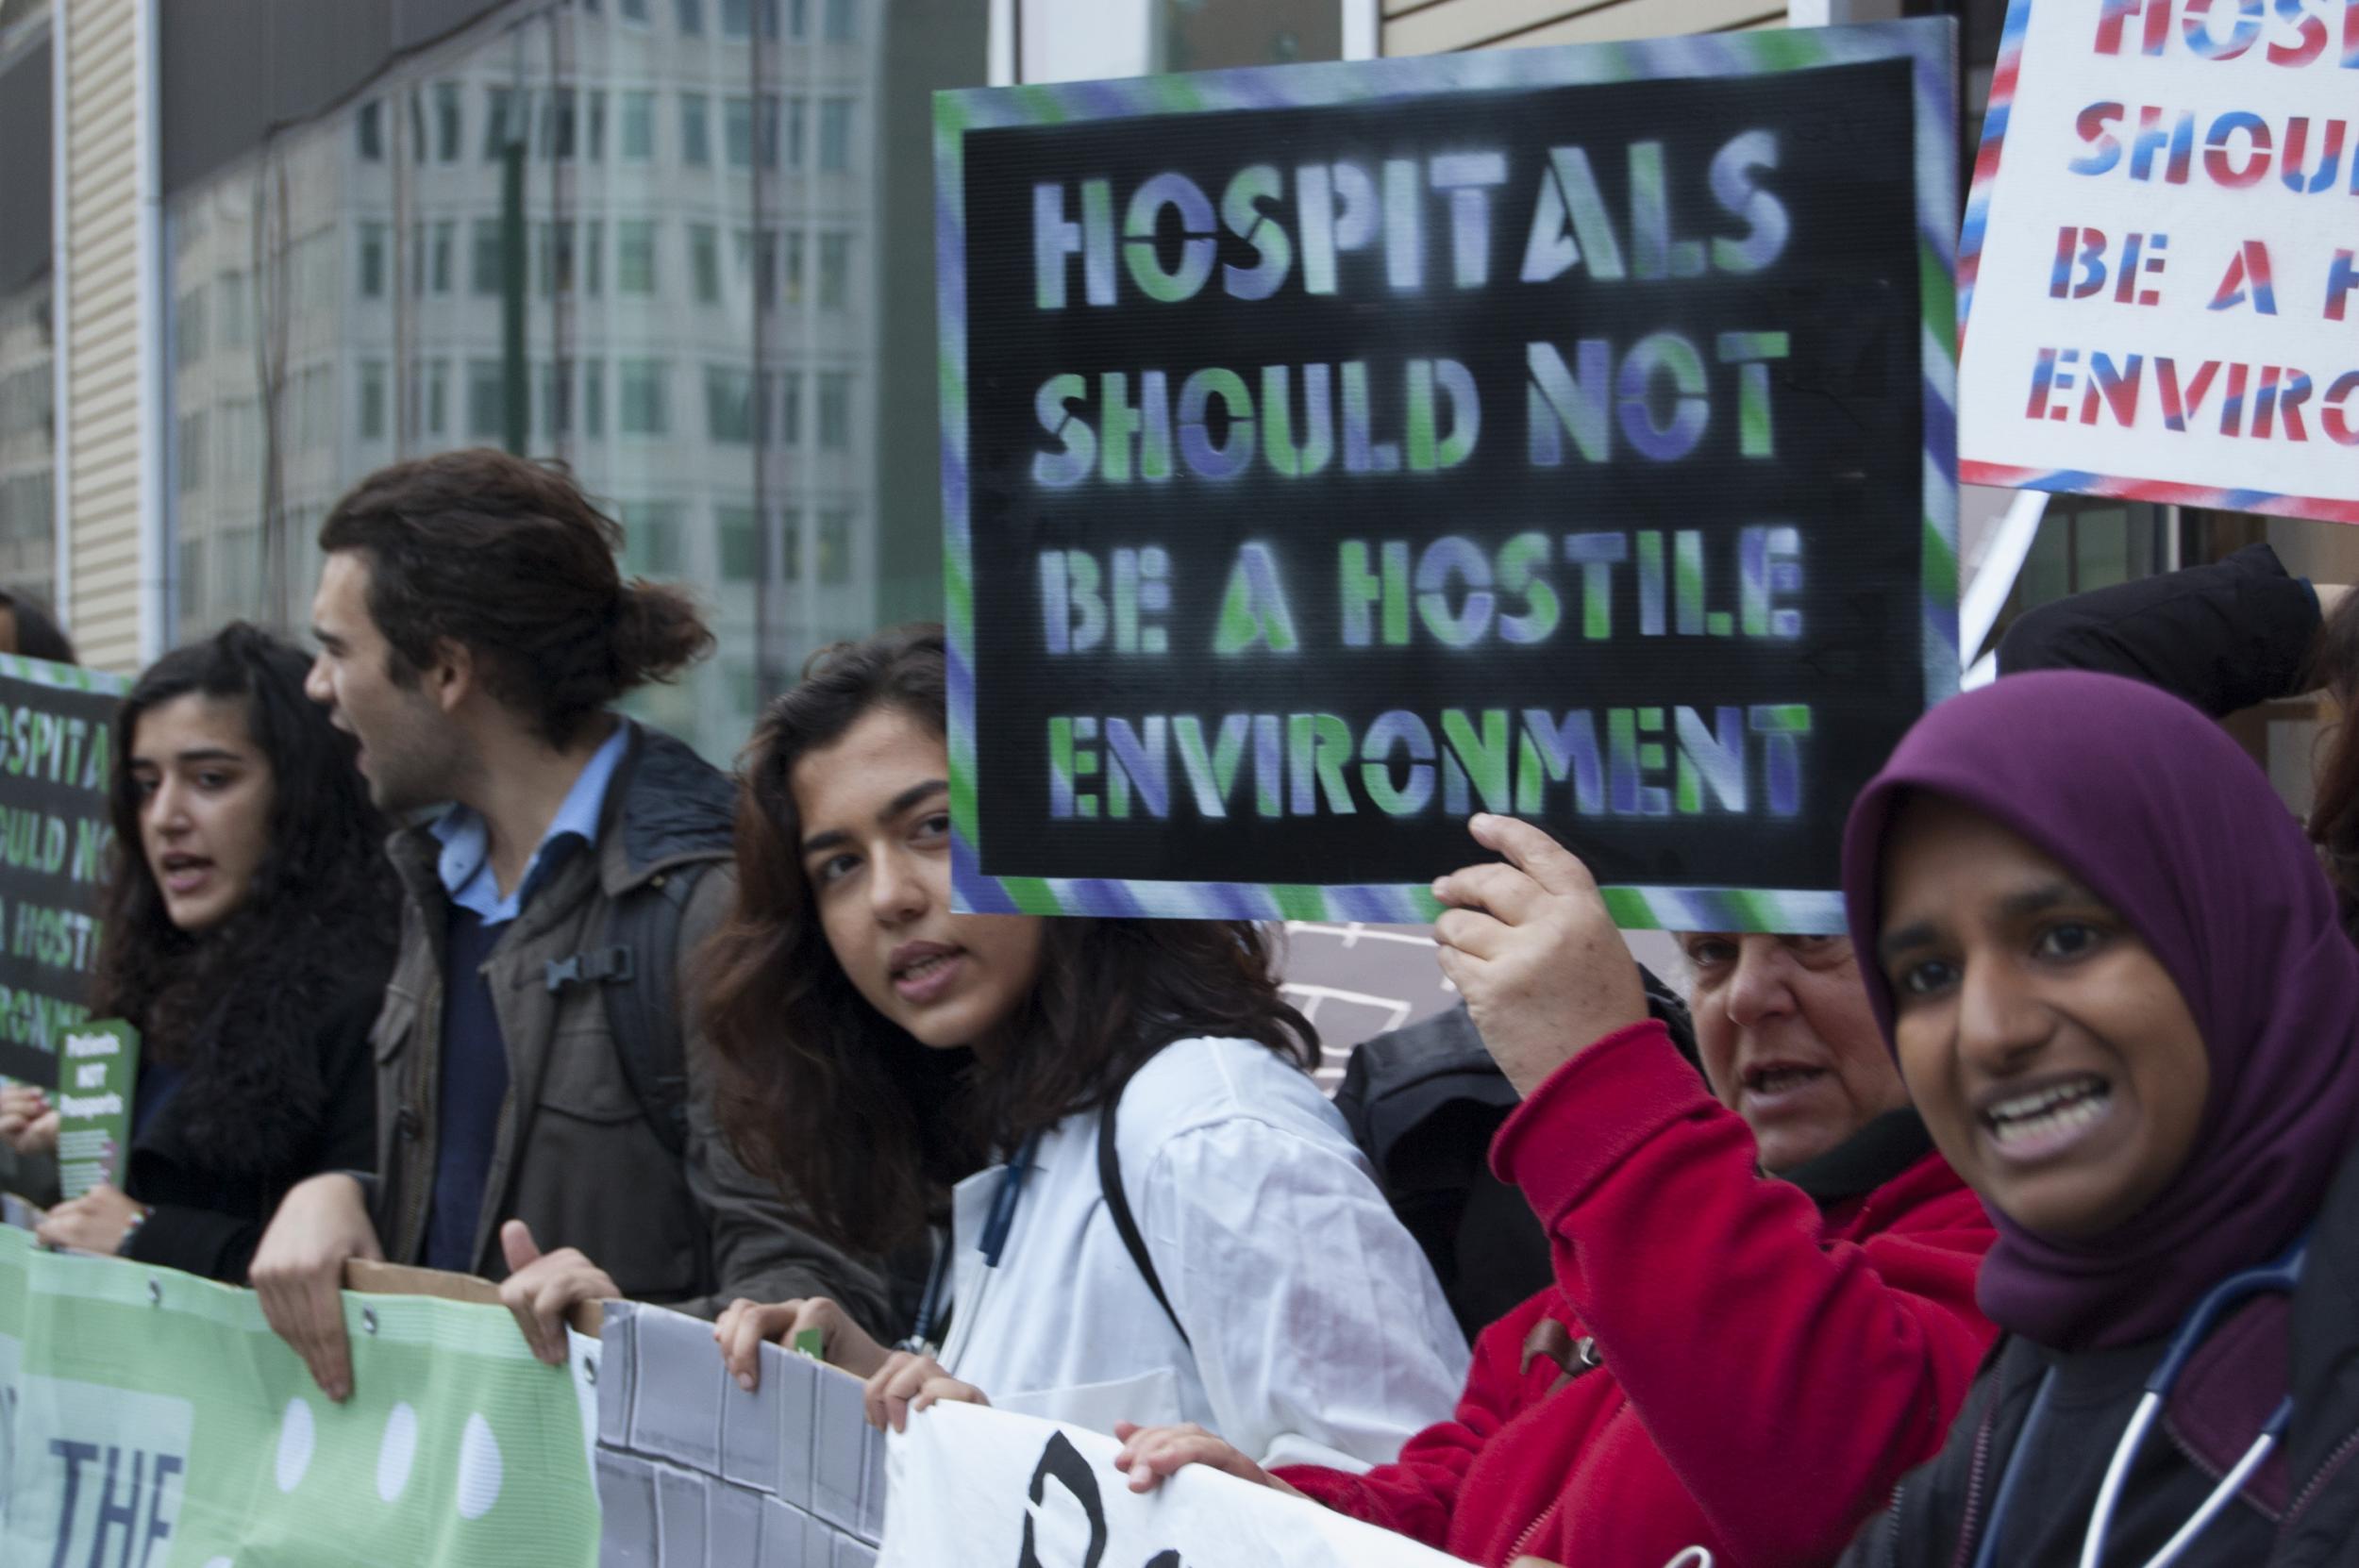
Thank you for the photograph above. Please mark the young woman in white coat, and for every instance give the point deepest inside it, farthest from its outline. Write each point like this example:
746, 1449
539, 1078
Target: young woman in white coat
892, 1062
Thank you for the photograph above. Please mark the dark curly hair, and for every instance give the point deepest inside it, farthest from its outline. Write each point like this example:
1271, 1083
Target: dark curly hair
508, 558
238, 1004
848, 1113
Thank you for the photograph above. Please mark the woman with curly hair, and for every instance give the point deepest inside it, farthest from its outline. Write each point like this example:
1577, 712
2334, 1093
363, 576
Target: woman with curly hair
1153, 1213
249, 929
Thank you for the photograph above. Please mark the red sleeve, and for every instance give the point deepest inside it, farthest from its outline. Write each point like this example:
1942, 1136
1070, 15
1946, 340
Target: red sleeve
1788, 1378
1415, 1495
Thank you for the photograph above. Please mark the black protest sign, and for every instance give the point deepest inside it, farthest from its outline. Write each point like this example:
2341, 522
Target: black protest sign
1333, 452
57, 739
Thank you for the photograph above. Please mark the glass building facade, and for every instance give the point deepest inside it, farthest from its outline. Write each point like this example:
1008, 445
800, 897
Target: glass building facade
29, 441
28, 415
640, 236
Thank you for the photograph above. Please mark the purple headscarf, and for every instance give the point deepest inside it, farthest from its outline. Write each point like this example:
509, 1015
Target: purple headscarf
2153, 808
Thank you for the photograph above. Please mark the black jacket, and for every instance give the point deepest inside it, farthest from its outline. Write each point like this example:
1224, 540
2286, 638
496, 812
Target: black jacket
2221, 636
208, 1221
1423, 1102
2303, 1513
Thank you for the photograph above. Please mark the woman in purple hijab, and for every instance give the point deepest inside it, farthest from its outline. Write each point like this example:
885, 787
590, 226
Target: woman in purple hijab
2110, 969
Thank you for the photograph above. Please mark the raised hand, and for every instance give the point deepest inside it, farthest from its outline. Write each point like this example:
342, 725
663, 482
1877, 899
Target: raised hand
1530, 945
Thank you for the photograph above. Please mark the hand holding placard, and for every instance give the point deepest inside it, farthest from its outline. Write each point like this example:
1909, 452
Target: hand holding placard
299, 1267
809, 1325
101, 1220
1531, 945
28, 1123
542, 1290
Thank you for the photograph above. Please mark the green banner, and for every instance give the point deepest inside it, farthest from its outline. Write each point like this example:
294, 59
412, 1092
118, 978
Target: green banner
93, 1100
150, 1417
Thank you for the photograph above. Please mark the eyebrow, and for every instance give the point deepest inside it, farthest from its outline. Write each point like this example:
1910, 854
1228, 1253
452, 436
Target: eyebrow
200, 753
2049, 896
324, 638
835, 837
2015, 906
1892, 943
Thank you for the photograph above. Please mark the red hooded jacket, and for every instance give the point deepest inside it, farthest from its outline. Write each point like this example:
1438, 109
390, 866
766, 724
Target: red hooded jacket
1768, 1372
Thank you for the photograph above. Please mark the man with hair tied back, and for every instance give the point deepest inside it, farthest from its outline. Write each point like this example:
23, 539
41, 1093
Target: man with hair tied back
473, 630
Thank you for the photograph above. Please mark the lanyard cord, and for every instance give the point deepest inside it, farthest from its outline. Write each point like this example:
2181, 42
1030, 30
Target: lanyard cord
930, 1305
994, 1245
1003, 1202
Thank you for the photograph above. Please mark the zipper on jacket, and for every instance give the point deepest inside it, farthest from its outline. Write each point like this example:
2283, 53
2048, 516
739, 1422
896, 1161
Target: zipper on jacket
1533, 1529
1974, 1474
2316, 1483
424, 1149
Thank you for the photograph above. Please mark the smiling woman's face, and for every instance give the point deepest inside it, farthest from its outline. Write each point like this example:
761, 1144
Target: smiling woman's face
2052, 1055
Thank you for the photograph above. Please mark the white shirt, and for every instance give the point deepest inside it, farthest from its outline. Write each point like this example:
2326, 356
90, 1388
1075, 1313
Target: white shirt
1320, 1334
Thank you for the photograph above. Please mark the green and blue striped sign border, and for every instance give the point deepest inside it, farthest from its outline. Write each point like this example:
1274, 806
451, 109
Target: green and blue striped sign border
63, 678
1929, 43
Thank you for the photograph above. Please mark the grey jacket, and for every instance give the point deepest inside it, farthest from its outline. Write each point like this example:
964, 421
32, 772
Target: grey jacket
575, 1159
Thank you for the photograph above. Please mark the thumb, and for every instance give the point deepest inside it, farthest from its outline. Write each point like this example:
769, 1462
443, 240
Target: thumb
517, 1243
1532, 851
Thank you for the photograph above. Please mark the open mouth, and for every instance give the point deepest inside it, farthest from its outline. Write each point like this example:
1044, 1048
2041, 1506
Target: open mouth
931, 963
922, 971
182, 873
1774, 1079
2042, 1120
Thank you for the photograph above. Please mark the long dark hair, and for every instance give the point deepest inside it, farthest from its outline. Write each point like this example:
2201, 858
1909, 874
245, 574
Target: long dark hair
37, 635
238, 1004
845, 1111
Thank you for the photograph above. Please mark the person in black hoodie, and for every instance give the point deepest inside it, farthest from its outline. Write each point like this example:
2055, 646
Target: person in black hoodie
249, 927
2117, 987
2222, 636
2225, 636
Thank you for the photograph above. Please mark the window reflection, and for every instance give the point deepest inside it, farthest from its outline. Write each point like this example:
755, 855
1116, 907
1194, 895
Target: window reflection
600, 234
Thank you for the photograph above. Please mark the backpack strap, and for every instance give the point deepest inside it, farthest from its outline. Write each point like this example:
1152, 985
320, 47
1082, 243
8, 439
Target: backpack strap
634, 960
1118, 1209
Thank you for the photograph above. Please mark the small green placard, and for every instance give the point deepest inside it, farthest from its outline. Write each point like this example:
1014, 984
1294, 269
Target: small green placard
96, 1069
813, 1344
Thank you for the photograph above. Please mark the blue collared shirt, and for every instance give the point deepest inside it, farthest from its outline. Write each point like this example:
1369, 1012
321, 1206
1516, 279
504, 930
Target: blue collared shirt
467, 861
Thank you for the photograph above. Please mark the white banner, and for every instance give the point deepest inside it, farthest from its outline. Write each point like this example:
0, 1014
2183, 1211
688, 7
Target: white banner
693, 1470
975, 1487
